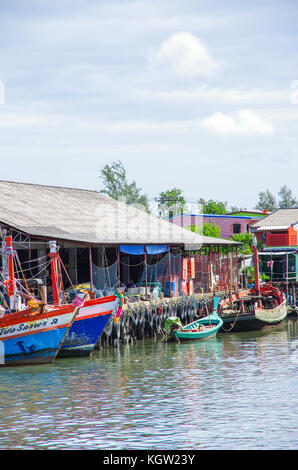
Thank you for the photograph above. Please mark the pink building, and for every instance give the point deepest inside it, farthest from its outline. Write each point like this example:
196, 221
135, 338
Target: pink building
229, 224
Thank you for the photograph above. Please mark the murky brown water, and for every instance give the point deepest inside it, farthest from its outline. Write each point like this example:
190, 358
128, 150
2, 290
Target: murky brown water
236, 391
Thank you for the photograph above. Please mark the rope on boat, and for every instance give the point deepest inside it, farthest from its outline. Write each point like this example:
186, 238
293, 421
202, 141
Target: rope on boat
232, 326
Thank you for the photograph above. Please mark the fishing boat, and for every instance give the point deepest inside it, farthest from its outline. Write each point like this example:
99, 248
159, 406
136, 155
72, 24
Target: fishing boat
263, 306
32, 333
92, 317
203, 328
253, 312
89, 325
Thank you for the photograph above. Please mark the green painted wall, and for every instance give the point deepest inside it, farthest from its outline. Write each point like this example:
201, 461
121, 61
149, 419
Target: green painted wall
249, 214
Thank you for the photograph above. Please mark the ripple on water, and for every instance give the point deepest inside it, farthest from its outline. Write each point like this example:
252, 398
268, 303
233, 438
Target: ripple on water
236, 391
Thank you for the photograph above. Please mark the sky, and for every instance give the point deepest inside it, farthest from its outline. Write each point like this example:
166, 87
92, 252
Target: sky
197, 95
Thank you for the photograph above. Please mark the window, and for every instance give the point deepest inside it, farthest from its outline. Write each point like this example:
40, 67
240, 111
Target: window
236, 228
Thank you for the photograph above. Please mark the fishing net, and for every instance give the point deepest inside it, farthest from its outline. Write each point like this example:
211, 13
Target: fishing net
215, 270
164, 272
104, 278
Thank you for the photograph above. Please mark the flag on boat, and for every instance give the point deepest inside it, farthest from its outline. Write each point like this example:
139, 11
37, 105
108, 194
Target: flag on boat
121, 296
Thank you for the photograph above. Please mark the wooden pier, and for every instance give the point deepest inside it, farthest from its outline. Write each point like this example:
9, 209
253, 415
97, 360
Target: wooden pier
146, 319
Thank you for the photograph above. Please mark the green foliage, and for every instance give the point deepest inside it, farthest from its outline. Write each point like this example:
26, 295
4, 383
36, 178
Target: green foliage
286, 198
246, 239
211, 230
171, 201
213, 207
266, 201
115, 183
208, 230
249, 271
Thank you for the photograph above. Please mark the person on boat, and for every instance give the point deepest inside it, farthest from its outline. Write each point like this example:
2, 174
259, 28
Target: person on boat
121, 286
131, 284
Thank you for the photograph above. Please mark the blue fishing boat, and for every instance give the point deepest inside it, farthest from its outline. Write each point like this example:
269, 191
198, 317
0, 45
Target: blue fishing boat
93, 316
88, 326
203, 328
32, 333
34, 337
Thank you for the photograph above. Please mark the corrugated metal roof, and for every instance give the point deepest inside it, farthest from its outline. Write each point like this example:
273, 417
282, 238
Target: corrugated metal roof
86, 216
272, 227
281, 219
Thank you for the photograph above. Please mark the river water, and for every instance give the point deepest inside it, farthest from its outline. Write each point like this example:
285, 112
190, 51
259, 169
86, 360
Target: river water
235, 391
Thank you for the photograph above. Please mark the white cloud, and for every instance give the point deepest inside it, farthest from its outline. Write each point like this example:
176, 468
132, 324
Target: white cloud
23, 120
204, 94
243, 122
220, 95
136, 127
185, 56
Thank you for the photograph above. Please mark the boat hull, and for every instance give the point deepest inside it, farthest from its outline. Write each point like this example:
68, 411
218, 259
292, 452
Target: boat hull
260, 319
202, 329
272, 316
185, 336
34, 339
88, 326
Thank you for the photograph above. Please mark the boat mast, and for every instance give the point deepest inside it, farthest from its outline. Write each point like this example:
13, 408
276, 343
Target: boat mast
9, 254
256, 264
54, 272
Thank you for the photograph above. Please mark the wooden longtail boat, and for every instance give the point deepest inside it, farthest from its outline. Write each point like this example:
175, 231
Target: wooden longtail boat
272, 316
263, 306
203, 328
254, 312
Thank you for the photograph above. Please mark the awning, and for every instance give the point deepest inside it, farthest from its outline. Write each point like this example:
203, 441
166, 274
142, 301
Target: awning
276, 253
140, 249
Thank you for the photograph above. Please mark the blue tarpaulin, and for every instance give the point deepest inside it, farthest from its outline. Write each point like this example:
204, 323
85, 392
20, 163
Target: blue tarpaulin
156, 249
133, 249
140, 249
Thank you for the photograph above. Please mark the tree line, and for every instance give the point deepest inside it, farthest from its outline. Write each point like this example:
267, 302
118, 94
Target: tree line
172, 202
114, 179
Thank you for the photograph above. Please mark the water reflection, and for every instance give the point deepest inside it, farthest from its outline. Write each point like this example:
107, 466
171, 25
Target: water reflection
232, 391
